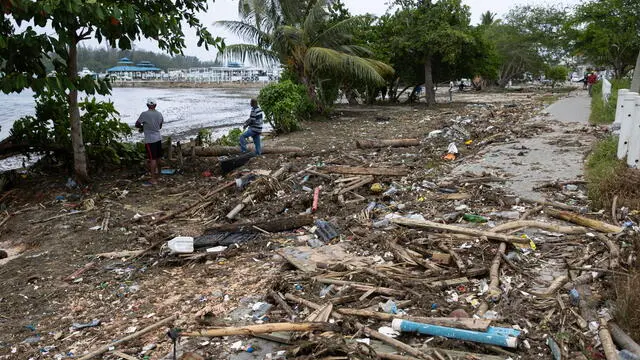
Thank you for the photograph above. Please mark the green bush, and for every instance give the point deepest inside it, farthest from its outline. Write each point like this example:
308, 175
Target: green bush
603, 112
602, 170
285, 104
556, 74
232, 138
50, 130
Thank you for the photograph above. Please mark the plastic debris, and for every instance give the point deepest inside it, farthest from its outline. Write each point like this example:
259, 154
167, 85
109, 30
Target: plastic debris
78, 326
325, 230
181, 245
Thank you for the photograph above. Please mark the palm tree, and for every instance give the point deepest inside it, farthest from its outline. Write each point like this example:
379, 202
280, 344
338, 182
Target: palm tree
313, 50
487, 18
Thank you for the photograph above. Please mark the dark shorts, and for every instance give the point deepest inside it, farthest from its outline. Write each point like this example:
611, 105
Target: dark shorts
154, 150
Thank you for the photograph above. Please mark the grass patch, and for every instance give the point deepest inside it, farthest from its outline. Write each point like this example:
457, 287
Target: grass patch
605, 112
607, 177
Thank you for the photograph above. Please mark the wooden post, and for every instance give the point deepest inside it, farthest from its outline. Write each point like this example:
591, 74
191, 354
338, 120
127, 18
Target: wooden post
584, 221
180, 158
458, 229
259, 329
169, 149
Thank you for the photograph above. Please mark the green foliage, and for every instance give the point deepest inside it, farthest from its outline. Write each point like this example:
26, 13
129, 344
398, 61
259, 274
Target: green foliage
49, 130
231, 138
605, 33
556, 74
314, 46
285, 104
604, 112
602, 169
431, 42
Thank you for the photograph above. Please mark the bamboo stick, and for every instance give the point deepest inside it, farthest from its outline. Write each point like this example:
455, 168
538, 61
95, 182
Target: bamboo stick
149, 328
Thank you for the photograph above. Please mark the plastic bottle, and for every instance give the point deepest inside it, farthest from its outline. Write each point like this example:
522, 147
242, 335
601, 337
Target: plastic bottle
474, 218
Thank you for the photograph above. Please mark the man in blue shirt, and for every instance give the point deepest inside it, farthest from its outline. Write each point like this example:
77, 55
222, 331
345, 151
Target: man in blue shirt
253, 127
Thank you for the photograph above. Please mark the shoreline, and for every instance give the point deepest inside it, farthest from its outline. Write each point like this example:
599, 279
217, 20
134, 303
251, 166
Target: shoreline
187, 85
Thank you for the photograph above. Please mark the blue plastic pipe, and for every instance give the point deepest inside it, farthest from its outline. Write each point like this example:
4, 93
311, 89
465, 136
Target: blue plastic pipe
494, 335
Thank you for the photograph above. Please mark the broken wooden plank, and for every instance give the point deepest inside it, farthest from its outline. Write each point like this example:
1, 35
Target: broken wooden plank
373, 144
584, 221
460, 230
362, 182
272, 225
259, 329
358, 170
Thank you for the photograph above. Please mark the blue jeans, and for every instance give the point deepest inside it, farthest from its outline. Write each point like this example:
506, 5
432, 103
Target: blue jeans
256, 141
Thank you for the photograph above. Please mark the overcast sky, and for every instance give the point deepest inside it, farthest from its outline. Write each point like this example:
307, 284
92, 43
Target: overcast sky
227, 10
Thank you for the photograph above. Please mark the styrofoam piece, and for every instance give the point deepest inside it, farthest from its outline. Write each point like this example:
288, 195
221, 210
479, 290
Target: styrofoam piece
628, 111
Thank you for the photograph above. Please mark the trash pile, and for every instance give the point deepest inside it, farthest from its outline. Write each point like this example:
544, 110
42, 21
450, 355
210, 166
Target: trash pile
370, 252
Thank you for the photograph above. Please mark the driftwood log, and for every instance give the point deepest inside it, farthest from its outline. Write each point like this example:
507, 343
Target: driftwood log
584, 221
234, 150
372, 144
459, 230
272, 225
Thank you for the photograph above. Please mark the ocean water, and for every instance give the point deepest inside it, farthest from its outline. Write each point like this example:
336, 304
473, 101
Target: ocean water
185, 111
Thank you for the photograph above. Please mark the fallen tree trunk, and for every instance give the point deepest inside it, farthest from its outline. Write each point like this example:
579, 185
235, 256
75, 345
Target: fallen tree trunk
272, 225
460, 230
259, 329
372, 144
584, 221
358, 170
233, 150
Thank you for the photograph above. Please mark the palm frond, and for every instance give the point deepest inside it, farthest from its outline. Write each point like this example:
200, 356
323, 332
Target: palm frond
339, 33
356, 50
247, 32
314, 21
249, 52
328, 61
288, 38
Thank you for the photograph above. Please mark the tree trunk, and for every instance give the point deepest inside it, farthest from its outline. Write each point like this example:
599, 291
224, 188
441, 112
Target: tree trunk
635, 83
429, 93
79, 153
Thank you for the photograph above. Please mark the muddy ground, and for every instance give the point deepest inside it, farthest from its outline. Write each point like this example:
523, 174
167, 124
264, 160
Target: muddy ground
53, 230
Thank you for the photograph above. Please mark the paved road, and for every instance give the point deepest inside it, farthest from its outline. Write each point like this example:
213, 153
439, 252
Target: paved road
557, 155
574, 108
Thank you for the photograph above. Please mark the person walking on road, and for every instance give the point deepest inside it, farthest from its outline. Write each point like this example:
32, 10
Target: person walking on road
591, 80
253, 128
150, 123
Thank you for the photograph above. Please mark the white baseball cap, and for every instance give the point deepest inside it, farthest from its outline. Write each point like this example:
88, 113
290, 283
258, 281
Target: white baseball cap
151, 102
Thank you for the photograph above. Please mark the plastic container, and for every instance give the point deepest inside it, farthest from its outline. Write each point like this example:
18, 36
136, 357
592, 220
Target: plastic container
181, 245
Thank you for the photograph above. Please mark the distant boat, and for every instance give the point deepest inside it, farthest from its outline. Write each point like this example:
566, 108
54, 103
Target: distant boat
85, 71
